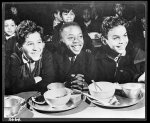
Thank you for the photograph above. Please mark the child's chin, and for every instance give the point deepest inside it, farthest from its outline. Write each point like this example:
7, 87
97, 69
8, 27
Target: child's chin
9, 34
121, 51
36, 59
76, 53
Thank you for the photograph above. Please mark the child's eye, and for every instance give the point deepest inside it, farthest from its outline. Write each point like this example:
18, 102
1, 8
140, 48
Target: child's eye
71, 14
29, 44
116, 38
125, 35
40, 42
70, 38
65, 13
80, 36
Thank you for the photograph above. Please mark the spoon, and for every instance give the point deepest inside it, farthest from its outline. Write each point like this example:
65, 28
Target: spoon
90, 96
96, 85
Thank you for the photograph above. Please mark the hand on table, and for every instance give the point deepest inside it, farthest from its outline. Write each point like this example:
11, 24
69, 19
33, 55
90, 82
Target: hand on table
37, 79
77, 82
88, 51
142, 78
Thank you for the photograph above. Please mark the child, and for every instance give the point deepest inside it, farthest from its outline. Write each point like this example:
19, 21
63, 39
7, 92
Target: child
88, 24
10, 39
10, 34
114, 59
31, 67
57, 18
72, 65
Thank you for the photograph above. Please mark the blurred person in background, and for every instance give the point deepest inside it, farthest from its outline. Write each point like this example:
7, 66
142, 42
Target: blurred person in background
57, 18
87, 23
9, 40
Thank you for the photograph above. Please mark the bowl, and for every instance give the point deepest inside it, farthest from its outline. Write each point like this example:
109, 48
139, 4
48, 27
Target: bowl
55, 85
108, 90
132, 90
11, 105
57, 97
75, 97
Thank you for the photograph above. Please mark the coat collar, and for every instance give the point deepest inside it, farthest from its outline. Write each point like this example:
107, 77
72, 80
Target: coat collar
8, 37
65, 54
106, 52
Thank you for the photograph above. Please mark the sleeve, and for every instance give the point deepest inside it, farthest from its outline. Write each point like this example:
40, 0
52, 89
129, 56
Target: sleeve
19, 77
91, 68
127, 73
48, 72
55, 41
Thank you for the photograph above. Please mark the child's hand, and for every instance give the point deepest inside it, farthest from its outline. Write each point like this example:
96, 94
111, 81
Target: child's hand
97, 36
77, 82
142, 77
37, 79
88, 51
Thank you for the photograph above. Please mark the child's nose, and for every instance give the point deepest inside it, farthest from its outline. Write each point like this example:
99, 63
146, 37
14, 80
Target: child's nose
35, 47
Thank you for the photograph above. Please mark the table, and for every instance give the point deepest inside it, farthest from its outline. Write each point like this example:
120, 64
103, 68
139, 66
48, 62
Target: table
86, 110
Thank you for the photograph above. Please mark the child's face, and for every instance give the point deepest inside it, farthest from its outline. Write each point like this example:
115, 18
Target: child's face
14, 10
86, 15
117, 39
73, 38
33, 46
9, 27
68, 17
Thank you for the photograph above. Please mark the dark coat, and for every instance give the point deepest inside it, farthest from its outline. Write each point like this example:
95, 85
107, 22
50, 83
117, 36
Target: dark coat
122, 71
10, 47
94, 26
21, 79
82, 65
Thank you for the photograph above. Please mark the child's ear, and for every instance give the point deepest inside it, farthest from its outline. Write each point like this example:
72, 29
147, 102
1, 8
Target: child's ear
20, 48
16, 26
103, 39
43, 44
61, 40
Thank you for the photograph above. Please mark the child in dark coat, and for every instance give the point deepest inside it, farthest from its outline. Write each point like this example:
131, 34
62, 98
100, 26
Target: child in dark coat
73, 66
31, 67
10, 39
114, 59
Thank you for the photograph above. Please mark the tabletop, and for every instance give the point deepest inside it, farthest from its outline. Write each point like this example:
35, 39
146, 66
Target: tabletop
86, 109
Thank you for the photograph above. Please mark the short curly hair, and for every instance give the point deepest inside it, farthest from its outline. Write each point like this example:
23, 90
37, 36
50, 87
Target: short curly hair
111, 22
25, 28
67, 24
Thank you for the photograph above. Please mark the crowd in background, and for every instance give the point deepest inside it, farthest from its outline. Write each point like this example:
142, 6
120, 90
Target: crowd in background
24, 28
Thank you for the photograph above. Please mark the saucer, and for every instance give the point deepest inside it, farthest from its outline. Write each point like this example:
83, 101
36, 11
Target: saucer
122, 101
45, 108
